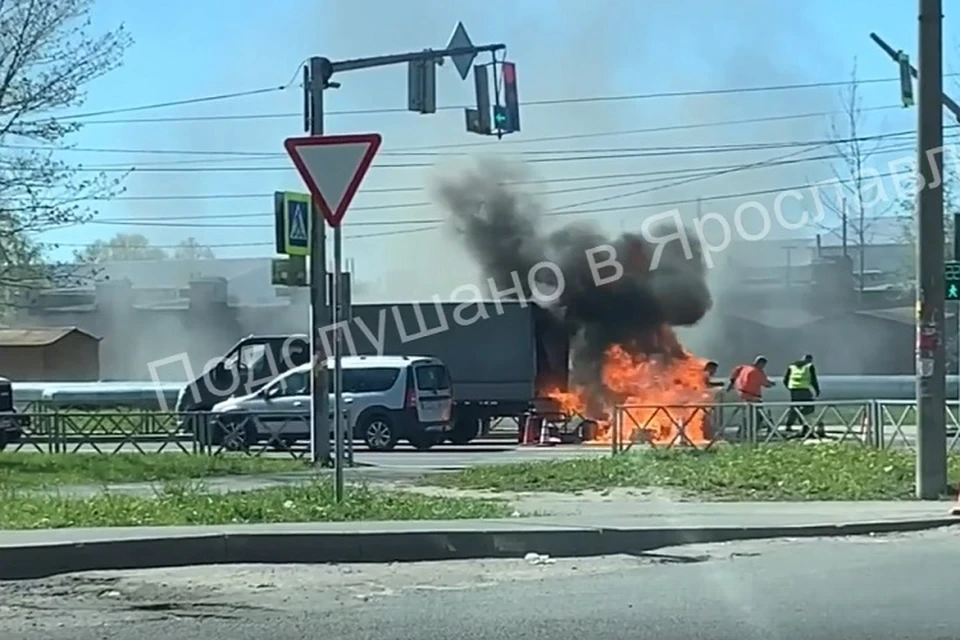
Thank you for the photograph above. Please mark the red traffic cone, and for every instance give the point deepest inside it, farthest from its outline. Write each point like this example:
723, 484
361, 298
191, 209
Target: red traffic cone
529, 433
546, 440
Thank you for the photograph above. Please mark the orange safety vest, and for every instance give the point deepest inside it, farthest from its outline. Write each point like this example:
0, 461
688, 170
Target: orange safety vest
750, 382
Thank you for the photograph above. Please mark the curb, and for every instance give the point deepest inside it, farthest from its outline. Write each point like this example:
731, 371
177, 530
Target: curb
41, 560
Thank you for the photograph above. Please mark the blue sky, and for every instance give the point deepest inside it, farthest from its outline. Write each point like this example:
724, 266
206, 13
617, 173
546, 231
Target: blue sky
563, 49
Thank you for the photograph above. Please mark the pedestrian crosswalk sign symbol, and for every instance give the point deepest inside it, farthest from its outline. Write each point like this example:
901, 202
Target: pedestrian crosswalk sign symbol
293, 218
298, 223
951, 278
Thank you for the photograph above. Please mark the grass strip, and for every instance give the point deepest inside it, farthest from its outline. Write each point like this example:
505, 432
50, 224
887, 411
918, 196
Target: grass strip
43, 470
790, 472
190, 504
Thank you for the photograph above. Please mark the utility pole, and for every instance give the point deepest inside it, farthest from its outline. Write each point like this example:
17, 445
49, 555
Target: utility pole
931, 473
316, 76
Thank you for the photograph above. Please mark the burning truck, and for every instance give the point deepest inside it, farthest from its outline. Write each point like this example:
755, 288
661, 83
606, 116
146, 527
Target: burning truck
620, 319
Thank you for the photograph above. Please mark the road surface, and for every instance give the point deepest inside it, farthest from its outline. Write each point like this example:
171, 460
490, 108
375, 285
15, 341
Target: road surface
881, 588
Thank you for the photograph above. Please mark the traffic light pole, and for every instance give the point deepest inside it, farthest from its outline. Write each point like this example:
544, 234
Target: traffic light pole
316, 81
319, 309
931, 470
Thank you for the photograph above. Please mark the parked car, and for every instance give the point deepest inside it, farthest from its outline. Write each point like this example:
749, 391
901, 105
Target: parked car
391, 398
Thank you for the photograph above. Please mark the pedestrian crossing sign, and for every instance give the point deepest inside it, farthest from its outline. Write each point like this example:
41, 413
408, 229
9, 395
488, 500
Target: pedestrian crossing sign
293, 214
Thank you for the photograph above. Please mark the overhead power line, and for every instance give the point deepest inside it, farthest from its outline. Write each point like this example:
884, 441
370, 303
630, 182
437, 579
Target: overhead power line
563, 210
671, 149
585, 155
82, 118
641, 178
438, 222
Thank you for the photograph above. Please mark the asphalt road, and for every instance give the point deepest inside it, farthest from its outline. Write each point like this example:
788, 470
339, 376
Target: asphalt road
896, 588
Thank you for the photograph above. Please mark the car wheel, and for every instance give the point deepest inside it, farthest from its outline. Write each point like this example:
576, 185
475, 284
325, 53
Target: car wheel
237, 433
3, 439
378, 432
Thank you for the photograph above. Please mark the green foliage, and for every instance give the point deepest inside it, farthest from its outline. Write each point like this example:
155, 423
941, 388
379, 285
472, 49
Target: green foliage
190, 504
20, 470
779, 472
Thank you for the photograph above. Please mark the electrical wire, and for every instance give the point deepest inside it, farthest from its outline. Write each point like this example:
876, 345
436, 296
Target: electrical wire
586, 155
559, 212
527, 103
670, 149
636, 179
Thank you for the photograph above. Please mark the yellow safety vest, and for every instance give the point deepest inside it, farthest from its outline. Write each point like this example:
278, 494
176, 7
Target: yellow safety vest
800, 377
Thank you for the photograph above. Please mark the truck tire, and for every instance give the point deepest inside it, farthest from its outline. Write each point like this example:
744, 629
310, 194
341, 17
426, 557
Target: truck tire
425, 441
378, 432
464, 430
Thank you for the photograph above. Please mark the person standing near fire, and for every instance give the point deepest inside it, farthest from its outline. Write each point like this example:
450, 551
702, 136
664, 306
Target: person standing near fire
709, 373
800, 379
750, 380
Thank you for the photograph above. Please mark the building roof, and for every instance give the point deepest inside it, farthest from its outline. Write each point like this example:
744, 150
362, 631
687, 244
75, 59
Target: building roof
37, 337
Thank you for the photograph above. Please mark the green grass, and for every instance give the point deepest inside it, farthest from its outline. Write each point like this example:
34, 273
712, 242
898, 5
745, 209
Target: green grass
184, 504
38, 470
781, 472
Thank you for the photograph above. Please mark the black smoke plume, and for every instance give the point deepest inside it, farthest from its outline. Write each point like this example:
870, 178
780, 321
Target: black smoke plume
502, 227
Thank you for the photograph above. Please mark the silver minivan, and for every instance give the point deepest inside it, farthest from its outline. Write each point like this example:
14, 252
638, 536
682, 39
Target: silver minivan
390, 398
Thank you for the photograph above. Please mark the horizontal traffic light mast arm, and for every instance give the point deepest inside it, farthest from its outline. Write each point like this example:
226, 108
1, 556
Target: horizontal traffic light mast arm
415, 56
895, 56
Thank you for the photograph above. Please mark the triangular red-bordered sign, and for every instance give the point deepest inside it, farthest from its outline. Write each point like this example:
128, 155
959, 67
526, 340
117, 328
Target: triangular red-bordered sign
333, 167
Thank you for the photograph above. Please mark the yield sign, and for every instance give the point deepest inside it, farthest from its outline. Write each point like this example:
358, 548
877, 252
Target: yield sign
333, 167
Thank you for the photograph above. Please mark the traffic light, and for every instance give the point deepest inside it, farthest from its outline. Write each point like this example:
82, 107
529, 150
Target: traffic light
478, 120
507, 120
906, 79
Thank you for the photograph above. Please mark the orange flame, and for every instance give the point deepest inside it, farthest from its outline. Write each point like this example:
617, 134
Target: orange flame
662, 393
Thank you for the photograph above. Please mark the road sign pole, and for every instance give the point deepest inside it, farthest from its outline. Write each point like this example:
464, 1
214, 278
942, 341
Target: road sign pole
319, 310
332, 167
337, 307
931, 470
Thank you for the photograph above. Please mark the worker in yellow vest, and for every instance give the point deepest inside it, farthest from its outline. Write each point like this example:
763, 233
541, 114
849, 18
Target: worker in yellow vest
800, 380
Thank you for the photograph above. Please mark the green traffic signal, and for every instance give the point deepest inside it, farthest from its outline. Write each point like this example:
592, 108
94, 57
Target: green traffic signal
953, 292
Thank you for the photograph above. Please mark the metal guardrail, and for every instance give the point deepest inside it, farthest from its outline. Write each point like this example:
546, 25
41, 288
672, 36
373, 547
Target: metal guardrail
875, 423
159, 432
897, 422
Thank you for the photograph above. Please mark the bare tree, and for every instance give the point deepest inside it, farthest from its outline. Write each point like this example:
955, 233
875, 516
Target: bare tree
121, 247
47, 57
855, 202
134, 246
192, 249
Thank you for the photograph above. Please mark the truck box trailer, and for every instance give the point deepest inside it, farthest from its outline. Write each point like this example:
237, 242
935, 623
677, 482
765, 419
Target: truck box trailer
500, 354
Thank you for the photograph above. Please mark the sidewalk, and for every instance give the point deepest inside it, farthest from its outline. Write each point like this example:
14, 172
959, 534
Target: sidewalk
640, 527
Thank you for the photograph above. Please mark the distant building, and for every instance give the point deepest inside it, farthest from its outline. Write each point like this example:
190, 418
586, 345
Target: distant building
64, 354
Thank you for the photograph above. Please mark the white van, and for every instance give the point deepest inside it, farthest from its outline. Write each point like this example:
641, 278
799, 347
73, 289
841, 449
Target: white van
390, 398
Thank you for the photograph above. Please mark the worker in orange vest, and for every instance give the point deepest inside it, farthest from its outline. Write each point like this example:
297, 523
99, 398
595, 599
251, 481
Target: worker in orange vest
750, 380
